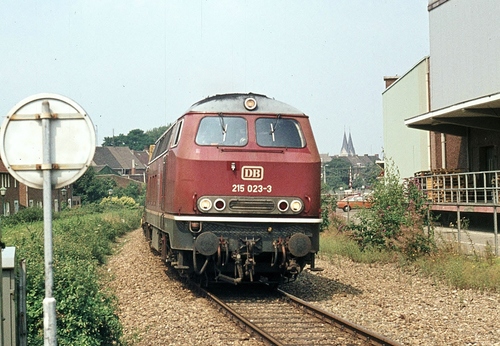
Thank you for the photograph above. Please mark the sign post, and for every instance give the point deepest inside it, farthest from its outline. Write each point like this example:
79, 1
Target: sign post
48, 141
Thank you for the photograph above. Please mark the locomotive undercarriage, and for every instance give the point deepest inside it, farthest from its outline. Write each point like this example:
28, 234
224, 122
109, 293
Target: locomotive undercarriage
238, 253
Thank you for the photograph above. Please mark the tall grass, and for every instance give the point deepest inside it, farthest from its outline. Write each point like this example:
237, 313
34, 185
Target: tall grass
458, 269
337, 244
462, 269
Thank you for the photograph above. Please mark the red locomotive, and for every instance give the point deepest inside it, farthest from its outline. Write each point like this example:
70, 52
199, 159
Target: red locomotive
233, 191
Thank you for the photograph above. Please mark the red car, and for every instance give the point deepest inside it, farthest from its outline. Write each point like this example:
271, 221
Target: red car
353, 202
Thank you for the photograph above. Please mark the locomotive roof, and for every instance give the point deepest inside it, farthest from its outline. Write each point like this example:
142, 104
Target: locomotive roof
234, 103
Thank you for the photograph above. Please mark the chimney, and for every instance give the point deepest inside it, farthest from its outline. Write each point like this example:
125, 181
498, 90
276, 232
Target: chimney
389, 80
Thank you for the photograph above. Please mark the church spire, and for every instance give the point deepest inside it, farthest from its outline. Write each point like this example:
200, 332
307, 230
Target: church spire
344, 151
350, 146
347, 146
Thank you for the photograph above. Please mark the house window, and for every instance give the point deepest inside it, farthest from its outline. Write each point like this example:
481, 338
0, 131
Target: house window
5, 180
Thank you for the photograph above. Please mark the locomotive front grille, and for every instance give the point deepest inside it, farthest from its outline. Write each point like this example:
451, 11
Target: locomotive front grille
256, 230
251, 205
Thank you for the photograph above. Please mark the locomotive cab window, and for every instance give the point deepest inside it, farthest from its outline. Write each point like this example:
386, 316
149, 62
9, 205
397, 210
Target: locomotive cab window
222, 130
161, 144
279, 132
177, 133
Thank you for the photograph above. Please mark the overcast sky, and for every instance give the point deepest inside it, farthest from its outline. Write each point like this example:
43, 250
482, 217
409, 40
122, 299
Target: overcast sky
141, 64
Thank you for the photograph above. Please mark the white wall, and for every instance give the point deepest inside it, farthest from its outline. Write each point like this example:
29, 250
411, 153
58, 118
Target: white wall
464, 50
405, 98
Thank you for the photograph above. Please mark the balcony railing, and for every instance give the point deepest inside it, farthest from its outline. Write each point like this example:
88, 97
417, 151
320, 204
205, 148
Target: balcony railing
471, 188
463, 192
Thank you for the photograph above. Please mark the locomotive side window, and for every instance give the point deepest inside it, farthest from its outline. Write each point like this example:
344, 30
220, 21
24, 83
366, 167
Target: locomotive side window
177, 133
222, 130
279, 132
162, 144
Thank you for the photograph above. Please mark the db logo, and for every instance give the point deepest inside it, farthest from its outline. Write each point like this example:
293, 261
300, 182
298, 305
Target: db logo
252, 173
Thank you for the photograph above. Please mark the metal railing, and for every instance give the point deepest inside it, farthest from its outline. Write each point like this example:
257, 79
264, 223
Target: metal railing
471, 191
476, 188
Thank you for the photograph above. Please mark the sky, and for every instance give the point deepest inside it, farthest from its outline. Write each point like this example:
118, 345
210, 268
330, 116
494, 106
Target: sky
137, 64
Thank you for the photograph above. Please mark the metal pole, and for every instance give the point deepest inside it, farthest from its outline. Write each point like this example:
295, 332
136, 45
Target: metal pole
1, 283
49, 303
495, 225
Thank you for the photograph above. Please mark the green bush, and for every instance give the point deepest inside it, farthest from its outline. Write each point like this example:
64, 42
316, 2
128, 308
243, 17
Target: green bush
398, 218
123, 201
24, 215
82, 239
328, 205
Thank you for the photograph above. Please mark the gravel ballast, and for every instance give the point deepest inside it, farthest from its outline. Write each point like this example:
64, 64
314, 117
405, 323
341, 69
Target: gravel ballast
155, 309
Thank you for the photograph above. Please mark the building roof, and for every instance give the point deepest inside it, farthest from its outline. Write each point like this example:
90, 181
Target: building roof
481, 113
117, 158
143, 156
104, 169
325, 158
359, 161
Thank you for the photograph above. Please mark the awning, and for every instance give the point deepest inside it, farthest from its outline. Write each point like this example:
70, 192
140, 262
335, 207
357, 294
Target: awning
481, 113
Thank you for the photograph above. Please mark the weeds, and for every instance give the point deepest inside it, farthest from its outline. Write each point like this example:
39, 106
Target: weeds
394, 230
397, 219
328, 205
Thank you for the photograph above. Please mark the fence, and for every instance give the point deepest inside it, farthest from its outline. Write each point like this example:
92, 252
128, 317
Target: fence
463, 192
471, 188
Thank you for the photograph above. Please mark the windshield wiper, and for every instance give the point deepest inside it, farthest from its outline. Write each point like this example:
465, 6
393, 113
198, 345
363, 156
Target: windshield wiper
275, 126
223, 126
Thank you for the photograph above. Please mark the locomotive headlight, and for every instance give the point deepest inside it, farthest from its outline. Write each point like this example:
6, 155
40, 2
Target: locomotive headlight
250, 103
296, 206
205, 204
194, 226
219, 204
283, 205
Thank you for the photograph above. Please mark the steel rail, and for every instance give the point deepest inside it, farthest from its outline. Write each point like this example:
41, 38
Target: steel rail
242, 322
366, 336
357, 331
369, 336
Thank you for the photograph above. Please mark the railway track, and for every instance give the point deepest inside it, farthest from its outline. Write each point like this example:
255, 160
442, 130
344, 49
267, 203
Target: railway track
278, 318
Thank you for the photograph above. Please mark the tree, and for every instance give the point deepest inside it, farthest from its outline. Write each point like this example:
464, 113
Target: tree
156, 133
92, 189
115, 141
337, 173
134, 190
136, 139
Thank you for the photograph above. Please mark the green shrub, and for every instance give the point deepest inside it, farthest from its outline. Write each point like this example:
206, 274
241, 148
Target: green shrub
82, 239
328, 205
398, 218
24, 215
123, 201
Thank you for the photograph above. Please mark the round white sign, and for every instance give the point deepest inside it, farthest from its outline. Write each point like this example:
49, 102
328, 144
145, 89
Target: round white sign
71, 140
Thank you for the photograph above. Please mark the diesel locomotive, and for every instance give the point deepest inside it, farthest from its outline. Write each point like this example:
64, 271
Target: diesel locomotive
233, 191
